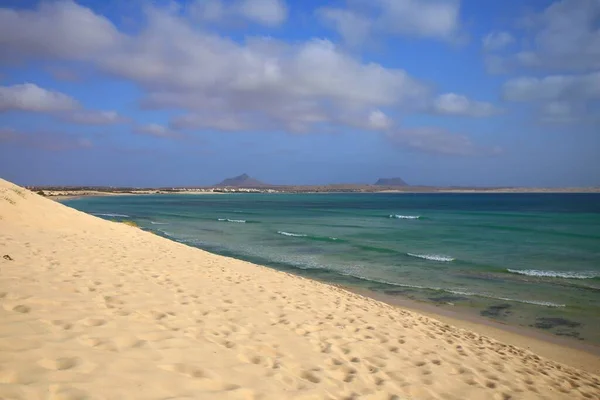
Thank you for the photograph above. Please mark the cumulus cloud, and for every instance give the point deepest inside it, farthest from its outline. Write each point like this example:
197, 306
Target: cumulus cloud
565, 36
560, 98
32, 98
438, 19
258, 84
54, 30
497, 40
562, 41
455, 104
378, 120
554, 87
156, 130
354, 27
264, 12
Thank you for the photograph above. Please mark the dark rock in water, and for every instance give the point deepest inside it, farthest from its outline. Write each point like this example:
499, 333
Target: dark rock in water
497, 310
549, 323
395, 292
573, 334
447, 299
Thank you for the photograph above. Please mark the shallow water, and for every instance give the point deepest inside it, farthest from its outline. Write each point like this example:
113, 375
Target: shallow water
524, 259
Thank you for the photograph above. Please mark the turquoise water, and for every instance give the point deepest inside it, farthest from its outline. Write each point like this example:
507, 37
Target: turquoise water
524, 259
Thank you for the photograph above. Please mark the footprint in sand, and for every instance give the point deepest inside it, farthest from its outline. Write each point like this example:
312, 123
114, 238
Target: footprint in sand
22, 309
59, 364
206, 381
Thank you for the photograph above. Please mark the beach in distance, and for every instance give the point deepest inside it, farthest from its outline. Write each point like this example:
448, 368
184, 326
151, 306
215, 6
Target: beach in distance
87, 302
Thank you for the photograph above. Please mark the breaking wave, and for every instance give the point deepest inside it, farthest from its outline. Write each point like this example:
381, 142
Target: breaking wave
432, 257
398, 216
239, 221
556, 274
111, 215
292, 234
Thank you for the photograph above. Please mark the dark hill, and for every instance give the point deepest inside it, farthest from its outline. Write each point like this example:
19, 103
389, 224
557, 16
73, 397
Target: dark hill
242, 181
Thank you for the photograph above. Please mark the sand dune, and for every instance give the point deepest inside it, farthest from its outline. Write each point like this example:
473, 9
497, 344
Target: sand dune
92, 309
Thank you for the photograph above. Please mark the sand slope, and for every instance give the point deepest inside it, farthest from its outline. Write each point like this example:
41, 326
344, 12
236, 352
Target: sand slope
92, 309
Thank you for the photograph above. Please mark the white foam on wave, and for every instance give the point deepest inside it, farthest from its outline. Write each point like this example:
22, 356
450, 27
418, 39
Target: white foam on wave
291, 234
159, 223
432, 257
111, 215
556, 274
239, 221
399, 216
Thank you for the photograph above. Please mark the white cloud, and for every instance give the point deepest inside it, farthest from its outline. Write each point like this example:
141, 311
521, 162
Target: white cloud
497, 40
156, 130
259, 84
378, 120
554, 87
55, 29
565, 37
352, 26
30, 97
438, 19
560, 99
455, 104
264, 12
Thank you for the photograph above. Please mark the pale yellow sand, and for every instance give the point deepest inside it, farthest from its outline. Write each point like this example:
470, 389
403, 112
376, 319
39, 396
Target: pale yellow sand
92, 309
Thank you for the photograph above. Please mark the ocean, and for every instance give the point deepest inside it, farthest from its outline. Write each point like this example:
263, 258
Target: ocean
529, 260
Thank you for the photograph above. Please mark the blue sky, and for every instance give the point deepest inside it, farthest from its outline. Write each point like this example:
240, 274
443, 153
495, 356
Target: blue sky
173, 93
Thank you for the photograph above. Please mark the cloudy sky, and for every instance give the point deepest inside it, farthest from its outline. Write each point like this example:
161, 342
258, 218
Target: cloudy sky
166, 93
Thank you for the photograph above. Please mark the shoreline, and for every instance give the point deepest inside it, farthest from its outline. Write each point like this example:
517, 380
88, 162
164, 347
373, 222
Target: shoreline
586, 355
85, 301
74, 194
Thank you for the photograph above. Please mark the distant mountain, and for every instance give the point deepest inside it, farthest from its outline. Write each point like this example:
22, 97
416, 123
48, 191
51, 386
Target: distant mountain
390, 182
242, 181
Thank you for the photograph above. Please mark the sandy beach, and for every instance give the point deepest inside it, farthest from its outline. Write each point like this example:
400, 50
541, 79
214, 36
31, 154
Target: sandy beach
93, 309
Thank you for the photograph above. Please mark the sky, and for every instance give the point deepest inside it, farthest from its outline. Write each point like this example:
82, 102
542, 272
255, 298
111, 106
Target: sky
186, 93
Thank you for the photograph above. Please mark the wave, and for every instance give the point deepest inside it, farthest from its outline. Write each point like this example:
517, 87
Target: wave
556, 274
159, 223
313, 266
111, 215
292, 234
239, 221
432, 257
398, 216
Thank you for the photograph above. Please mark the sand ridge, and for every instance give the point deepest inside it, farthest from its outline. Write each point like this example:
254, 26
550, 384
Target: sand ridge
92, 309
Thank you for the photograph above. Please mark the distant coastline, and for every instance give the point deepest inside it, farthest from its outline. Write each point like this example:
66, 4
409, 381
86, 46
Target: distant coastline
65, 193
